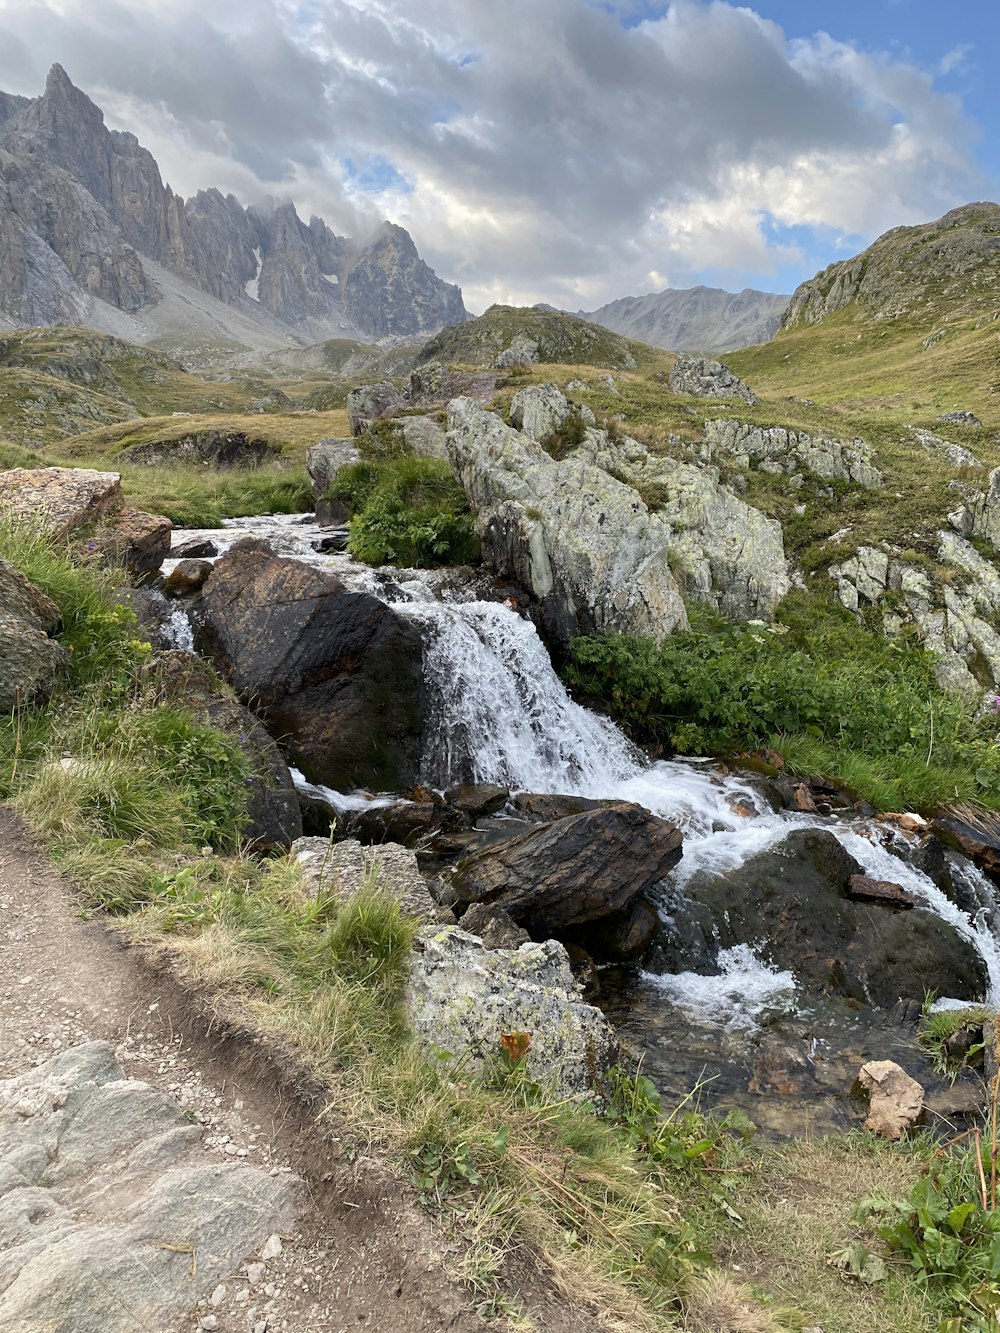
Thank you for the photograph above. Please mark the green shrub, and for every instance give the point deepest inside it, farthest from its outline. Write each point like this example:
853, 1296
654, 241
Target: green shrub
834, 696
406, 511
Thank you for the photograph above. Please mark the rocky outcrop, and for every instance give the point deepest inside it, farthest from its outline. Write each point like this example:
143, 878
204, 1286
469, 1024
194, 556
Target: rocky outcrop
214, 448
108, 1196
707, 379
523, 351
541, 410
30, 658
569, 877
793, 903
273, 816
979, 513
367, 402
335, 675
343, 869
787, 451
955, 617
469, 1005
582, 542
956, 454
509, 335
424, 436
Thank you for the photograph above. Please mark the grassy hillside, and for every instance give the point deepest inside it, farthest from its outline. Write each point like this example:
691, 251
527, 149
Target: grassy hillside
559, 339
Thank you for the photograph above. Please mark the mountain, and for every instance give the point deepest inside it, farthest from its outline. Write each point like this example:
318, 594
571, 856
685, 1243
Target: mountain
694, 319
89, 233
909, 322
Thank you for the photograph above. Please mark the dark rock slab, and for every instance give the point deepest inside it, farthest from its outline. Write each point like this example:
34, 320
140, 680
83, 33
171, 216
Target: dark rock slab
573, 872
335, 675
974, 832
883, 891
187, 577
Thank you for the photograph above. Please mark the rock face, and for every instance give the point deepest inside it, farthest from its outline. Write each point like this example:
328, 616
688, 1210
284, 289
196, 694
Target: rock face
87, 508
979, 513
574, 872
788, 451
30, 659
343, 868
85, 219
100, 1172
956, 454
273, 815
793, 902
582, 542
954, 618
325, 460
463, 999
897, 1101
695, 319
216, 448
541, 410
707, 379
336, 675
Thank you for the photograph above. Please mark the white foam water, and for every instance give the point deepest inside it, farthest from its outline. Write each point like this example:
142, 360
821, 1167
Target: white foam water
735, 997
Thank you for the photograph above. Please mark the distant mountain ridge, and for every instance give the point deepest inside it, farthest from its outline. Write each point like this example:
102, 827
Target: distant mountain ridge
82, 206
694, 319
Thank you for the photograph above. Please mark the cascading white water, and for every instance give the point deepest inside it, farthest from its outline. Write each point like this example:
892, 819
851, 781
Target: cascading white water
499, 713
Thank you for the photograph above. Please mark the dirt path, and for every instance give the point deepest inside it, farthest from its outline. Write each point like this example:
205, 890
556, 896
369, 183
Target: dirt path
363, 1255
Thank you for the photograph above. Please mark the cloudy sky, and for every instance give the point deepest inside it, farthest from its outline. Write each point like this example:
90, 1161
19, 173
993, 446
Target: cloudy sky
569, 151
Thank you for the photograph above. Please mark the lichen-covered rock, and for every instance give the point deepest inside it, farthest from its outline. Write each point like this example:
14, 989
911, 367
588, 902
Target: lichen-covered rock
540, 410
582, 542
705, 378
107, 1196
960, 418
367, 402
955, 618
30, 659
979, 513
424, 436
729, 554
463, 999
956, 454
523, 351
791, 451
325, 459
60, 500
343, 868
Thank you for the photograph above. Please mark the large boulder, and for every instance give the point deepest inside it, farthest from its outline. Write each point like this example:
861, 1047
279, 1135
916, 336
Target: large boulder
704, 378
581, 541
273, 815
30, 658
325, 459
468, 1004
573, 877
368, 402
792, 903
541, 409
336, 675
86, 508
425, 437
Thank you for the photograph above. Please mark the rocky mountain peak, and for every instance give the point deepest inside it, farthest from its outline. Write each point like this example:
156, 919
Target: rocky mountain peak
82, 206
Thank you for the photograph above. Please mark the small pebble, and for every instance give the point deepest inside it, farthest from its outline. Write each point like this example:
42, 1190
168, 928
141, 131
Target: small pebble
256, 1273
208, 1321
272, 1248
219, 1294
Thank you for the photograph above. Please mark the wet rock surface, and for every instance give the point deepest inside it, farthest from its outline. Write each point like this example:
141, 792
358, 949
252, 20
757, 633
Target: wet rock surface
792, 903
336, 674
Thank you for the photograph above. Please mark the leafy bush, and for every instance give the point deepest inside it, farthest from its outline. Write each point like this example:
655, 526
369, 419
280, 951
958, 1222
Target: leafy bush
834, 696
406, 511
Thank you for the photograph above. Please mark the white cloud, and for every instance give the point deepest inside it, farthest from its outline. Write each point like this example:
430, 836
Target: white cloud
548, 151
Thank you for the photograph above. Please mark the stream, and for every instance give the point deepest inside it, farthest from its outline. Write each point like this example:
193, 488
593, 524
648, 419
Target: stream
500, 714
